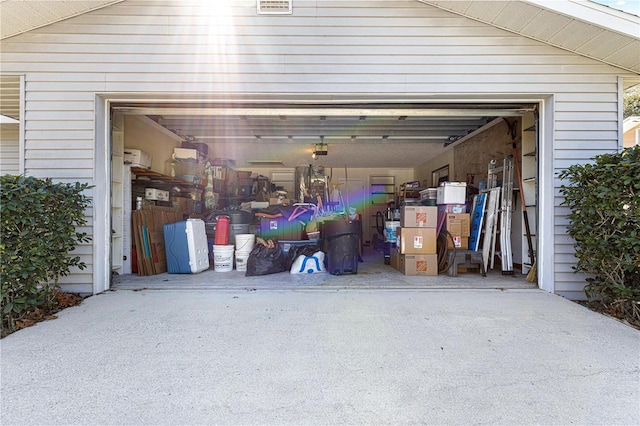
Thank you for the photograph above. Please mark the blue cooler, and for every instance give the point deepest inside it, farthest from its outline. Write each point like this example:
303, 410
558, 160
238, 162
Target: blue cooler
186, 247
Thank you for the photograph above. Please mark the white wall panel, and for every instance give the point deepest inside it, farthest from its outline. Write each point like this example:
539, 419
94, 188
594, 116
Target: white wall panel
360, 48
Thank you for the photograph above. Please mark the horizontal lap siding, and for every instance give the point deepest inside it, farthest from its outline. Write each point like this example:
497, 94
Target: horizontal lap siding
586, 126
326, 47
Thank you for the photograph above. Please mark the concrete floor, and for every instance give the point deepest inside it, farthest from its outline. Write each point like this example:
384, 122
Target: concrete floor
320, 356
372, 273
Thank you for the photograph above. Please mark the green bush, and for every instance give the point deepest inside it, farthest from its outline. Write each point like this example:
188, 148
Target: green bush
604, 198
38, 229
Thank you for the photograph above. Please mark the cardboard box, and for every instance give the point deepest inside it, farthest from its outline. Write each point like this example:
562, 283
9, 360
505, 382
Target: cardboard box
185, 154
188, 168
137, 158
245, 182
419, 217
417, 240
395, 258
419, 264
452, 193
458, 224
156, 194
461, 243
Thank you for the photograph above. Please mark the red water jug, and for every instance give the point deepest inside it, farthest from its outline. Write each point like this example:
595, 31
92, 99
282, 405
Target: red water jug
222, 231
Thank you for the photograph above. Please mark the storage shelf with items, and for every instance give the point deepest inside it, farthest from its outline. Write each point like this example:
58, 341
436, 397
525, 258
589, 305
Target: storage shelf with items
120, 196
529, 188
409, 193
382, 192
162, 190
144, 175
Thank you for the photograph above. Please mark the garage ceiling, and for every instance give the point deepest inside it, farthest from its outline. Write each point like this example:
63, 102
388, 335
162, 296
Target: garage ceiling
357, 135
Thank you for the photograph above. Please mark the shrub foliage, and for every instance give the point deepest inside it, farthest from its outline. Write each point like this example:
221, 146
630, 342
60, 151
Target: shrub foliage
604, 199
38, 228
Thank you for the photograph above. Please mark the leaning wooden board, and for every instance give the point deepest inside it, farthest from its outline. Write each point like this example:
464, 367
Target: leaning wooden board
149, 238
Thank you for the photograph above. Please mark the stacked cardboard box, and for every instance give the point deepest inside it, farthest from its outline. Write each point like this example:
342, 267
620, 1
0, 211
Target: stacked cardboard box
459, 226
417, 241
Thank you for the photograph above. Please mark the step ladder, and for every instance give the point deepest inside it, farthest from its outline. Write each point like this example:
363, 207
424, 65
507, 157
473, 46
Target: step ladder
503, 203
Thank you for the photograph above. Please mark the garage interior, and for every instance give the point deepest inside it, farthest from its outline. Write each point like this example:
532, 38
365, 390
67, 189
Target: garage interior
363, 161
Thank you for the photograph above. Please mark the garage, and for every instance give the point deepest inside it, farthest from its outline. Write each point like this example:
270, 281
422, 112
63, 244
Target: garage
395, 93
376, 160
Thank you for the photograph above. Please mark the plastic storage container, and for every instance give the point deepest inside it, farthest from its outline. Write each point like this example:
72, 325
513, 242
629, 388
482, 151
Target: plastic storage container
429, 197
186, 247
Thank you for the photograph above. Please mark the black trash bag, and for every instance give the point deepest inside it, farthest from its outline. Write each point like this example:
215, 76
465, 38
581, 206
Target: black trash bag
265, 260
296, 251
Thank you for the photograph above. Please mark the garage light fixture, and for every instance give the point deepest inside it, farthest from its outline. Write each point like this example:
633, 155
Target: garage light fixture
320, 149
265, 163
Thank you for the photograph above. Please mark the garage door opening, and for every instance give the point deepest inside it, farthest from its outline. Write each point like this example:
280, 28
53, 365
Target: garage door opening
362, 159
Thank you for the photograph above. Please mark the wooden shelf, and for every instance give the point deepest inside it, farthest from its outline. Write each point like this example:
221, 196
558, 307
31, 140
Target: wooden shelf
140, 172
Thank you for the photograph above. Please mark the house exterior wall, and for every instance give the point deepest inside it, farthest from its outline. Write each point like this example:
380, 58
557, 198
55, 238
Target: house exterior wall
358, 49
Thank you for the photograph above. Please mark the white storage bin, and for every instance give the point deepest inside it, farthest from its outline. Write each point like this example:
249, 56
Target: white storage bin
162, 195
452, 193
151, 194
137, 158
185, 154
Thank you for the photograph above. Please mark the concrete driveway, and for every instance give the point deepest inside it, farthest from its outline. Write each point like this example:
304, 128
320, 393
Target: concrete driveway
323, 356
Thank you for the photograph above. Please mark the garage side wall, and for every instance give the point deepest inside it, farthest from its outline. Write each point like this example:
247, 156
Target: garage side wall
9, 149
359, 49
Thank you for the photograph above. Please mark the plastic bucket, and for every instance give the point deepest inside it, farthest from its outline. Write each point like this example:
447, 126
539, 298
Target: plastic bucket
223, 258
245, 242
241, 260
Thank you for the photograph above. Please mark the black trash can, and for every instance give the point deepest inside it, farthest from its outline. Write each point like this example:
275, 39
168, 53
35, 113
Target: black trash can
341, 241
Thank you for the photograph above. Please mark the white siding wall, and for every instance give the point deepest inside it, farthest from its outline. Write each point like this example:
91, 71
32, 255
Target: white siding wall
357, 48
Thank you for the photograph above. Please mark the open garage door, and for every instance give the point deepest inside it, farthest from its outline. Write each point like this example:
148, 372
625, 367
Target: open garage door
410, 142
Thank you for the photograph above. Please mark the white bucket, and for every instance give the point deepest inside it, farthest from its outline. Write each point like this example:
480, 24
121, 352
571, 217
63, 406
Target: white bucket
223, 258
241, 260
245, 242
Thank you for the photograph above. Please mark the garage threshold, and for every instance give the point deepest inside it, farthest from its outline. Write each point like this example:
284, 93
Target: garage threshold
372, 274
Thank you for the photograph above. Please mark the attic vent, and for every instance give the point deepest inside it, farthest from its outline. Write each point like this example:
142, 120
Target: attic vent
275, 7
